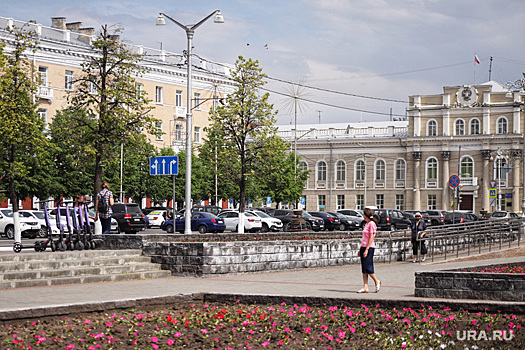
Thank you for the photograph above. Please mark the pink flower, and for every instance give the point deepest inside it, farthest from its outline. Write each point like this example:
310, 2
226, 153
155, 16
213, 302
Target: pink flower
281, 342
265, 344
204, 331
171, 342
108, 324
154, 346
177, 334
154, 339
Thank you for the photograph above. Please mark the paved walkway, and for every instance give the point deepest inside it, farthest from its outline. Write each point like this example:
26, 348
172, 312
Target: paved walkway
334, 282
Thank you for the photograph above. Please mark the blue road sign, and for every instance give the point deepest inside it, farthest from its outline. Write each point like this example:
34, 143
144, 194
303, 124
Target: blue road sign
164, 165
303, 201
453, 181
268, 200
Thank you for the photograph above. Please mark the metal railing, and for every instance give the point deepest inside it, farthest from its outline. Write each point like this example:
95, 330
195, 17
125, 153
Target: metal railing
463, 239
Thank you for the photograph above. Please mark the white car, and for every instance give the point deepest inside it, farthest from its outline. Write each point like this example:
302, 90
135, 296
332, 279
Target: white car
269, 223
63, 219
156, 218
41, 217
28, 226
252, 223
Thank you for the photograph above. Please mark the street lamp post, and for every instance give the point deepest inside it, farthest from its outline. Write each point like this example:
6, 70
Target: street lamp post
190, 29
520, 84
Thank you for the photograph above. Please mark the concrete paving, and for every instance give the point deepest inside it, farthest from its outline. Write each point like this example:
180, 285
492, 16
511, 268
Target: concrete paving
335, 283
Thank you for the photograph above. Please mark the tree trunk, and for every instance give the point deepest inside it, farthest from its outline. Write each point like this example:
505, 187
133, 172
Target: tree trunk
98, 175
13, 197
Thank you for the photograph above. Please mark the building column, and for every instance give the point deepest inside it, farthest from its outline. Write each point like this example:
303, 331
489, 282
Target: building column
516, 199
445, 204
417, 192
485, 200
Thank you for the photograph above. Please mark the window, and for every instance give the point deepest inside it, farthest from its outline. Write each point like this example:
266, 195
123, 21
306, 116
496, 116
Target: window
158, 94
432, 128
431, 202
321, 202
502, 125
400, 172
474, 127
340, 201
303, 165
321, 171
432, 169
70, 78
158, 125
459, 127
340, 171
178, 98
501, 169
140, 90
44, 79
467, 167
380, 171
92, 86
178, 132
197, 101
380, 201
360, 201
400, 202
360, 169
197, 134
42, 112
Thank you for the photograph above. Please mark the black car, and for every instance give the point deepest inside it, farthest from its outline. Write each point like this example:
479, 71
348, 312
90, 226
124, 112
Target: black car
331, 222
129, 217
459, 217
355, 215
347, 222
287, 216
411, 215
391, 219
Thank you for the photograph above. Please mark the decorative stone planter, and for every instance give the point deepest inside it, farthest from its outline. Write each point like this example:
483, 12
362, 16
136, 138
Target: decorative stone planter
459, 284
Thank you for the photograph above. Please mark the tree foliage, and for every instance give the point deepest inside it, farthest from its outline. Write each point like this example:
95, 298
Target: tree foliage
107, 92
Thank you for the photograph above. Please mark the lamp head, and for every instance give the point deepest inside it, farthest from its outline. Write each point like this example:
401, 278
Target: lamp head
160, 20
218, 17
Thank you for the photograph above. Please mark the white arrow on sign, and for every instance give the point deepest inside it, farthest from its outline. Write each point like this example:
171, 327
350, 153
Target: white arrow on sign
156, 167
164, 166
172, 163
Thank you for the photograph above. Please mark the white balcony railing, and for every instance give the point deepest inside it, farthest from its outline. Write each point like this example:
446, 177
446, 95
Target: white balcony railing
468, 181
45, 92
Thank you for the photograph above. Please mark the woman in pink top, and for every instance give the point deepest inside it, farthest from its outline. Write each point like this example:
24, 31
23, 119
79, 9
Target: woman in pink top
367, 250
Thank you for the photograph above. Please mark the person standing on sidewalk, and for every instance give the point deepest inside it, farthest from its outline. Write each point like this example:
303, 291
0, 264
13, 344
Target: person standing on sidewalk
366, 252
103, 208
418, 228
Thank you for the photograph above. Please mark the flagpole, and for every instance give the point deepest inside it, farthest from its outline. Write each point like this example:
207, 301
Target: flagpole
475, 55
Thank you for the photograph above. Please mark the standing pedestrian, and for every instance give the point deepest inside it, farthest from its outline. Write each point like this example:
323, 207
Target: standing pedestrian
366, 252
418, 228
103, 208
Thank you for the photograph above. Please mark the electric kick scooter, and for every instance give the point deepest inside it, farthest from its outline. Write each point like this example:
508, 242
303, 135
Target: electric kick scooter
89, 242
39, 246
60, 245
79, 245
69, 240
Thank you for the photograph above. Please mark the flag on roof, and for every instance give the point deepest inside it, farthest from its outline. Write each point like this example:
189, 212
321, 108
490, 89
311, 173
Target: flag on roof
476, 59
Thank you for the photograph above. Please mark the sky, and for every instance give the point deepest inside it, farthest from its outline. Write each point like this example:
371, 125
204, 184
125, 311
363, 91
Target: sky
345, 60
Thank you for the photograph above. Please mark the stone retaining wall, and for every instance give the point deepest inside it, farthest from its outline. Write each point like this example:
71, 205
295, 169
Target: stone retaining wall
470, 285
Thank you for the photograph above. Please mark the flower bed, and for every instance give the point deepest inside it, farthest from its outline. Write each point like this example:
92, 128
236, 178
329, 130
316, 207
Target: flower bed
242, 326
514, 268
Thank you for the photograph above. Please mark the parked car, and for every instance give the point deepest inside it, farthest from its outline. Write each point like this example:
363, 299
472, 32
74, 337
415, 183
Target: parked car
29, 227
331, 222
504, 215
41, 217
355, 214
287, 217
457, 217
200, 221
347, 222
391, 219
63, 218
207, 208
485, 216
129, 217
269, 223
252, 223
155, 218
436, 217
148, 210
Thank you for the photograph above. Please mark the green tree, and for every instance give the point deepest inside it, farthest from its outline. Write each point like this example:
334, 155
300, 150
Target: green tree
22, 141
242, 131
107, 91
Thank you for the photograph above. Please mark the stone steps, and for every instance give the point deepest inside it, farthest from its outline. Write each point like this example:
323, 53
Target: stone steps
75, 267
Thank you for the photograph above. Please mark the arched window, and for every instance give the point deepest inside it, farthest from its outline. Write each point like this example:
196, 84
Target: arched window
400, 172
467, 167
380, 170
321, 171
474, 127
459, 127
340, 171
360, 170
502, 126
432, 169
432, 128
303, 165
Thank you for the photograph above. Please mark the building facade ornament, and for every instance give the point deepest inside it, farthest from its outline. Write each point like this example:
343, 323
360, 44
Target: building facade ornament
416, 155
445, 155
